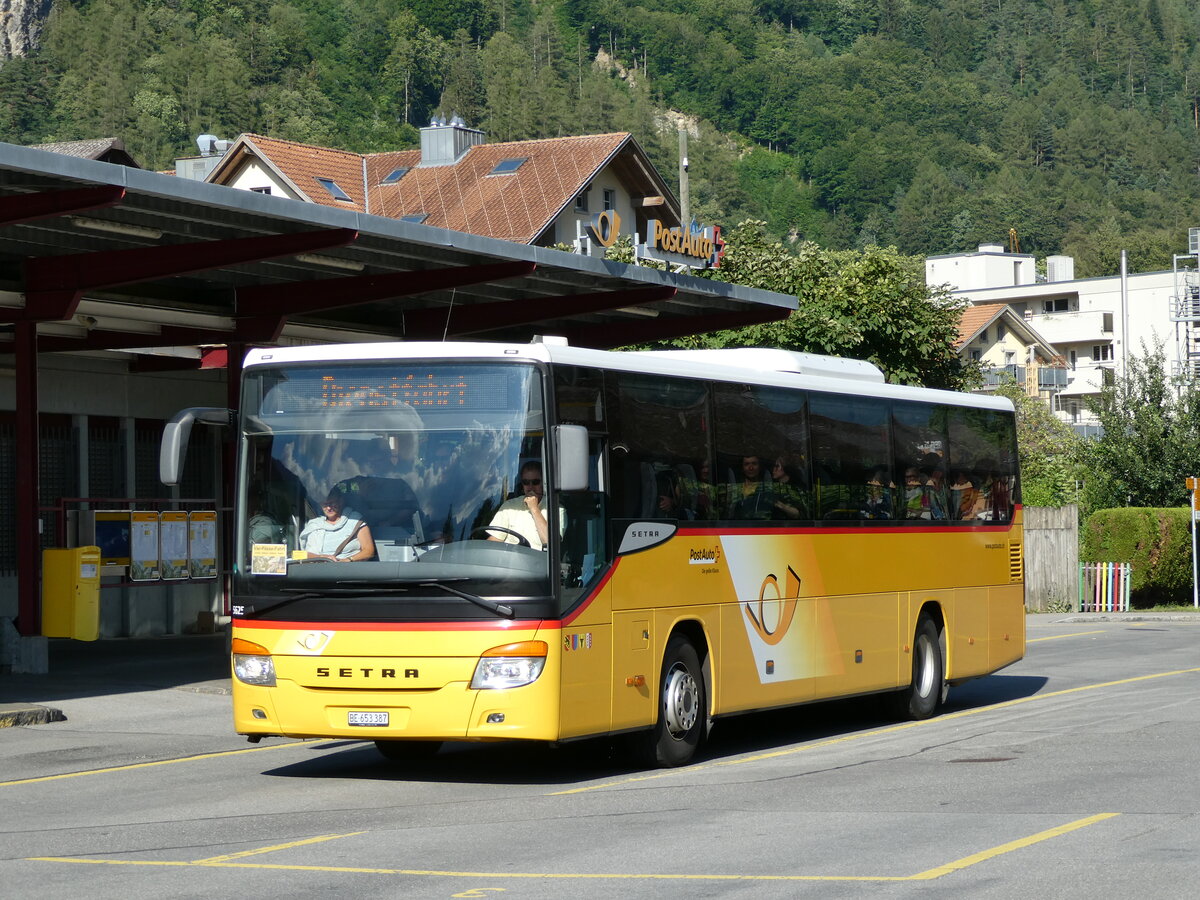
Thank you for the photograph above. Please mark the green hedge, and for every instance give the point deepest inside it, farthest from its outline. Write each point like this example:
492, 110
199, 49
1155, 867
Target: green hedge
1157, 543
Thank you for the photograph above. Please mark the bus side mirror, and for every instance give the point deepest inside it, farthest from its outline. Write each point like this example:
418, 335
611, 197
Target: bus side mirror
571, 457
175, 438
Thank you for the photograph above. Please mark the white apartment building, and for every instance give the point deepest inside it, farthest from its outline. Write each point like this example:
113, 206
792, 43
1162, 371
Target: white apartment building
1095, 324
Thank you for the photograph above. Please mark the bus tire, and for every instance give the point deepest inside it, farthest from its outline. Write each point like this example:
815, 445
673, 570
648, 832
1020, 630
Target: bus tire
925, 694
407, 751
682, 707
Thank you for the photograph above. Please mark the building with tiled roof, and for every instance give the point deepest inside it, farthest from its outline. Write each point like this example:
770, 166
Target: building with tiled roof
110, 150
1009, 348
532, 192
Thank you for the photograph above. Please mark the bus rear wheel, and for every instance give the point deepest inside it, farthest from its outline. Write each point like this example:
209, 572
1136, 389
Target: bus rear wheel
921, 699
408, 751
682, 708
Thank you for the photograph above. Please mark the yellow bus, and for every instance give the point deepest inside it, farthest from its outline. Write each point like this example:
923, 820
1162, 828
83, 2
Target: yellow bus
539, 542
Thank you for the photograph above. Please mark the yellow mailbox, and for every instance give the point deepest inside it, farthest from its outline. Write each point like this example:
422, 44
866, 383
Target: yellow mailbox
71, 593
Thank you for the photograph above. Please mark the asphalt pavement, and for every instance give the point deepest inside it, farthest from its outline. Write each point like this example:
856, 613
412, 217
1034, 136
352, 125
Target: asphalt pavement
83, 670
80, 670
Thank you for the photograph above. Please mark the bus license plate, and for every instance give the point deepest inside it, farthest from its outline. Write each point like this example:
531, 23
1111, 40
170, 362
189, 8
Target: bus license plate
374, 719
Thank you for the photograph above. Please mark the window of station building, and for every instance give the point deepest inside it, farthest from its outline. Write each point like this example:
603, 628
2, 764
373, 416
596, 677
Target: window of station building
581, 201
850, 454
395, 175
334, 190
920, 449
982, 473
658, 447
261, 190
610, 199
761, 470
509, 166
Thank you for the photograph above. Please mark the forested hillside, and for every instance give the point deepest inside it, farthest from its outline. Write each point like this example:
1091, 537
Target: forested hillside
932, 126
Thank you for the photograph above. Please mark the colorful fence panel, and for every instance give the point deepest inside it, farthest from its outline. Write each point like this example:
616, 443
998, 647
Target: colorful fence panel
1104, 587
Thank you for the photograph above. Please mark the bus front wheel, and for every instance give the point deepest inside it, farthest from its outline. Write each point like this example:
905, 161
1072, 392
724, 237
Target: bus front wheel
921, 699
682, 707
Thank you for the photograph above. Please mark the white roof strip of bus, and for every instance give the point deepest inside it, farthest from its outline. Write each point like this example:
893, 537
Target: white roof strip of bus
724, 365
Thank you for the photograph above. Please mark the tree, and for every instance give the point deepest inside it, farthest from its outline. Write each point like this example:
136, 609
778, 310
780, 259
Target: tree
871, 304
1151, 440
1049, 451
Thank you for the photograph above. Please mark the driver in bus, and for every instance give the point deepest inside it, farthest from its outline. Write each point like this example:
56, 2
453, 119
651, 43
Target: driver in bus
524, 514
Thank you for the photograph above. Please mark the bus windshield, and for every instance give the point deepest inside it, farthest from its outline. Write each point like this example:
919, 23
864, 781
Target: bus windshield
368, 489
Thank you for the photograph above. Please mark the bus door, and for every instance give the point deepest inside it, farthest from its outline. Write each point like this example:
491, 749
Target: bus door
586, 638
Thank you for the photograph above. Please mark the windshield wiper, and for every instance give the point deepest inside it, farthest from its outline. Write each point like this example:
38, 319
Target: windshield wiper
250, 610
499, 609
367, 590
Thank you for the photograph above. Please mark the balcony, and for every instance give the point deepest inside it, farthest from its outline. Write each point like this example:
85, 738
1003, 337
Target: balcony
1049, 379
1074, 327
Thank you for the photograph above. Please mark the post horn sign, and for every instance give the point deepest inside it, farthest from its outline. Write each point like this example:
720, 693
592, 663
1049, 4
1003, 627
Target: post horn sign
692, 245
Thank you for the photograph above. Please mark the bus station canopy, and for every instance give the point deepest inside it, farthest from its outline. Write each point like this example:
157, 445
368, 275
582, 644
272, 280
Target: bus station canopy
105, 257
102, 258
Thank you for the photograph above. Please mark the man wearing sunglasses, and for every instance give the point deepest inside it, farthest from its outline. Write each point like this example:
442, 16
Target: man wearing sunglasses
526, 514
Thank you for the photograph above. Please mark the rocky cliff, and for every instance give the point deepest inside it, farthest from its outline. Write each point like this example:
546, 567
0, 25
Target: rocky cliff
21, 25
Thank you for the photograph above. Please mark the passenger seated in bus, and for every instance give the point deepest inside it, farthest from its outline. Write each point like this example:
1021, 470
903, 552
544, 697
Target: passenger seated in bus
699, 493
963, 496
670, 497
525, 514
338, 535
916, 497
939, 495
752, 497
877, 504
261, 527
791, 496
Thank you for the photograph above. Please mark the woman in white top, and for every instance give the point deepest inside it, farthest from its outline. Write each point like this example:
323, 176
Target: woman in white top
335, 536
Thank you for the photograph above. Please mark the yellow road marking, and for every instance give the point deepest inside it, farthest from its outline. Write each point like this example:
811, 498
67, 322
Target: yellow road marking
975, 858
891, 729
1059, 637
242, 855
146, 765
928, 875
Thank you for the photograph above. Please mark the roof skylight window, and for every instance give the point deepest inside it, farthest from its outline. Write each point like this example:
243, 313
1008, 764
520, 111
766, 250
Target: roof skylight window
415, 218
508, 166
334, 191
395, 175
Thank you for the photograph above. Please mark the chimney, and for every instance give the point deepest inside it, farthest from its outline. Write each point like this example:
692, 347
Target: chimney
444, 143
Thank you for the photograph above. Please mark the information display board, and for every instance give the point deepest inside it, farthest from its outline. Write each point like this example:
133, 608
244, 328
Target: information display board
173, 531
202, 544
143, 547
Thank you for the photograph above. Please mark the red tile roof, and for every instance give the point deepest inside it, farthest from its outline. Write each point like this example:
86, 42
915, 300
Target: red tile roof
975, 319
465, 197
462, 196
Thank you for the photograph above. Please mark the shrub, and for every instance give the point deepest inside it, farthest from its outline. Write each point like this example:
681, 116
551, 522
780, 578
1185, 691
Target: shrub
1156, 543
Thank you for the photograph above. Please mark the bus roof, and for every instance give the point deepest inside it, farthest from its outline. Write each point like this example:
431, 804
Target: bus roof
753, 365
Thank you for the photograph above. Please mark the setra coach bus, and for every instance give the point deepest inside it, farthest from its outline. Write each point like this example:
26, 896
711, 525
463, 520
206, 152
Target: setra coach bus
480, 542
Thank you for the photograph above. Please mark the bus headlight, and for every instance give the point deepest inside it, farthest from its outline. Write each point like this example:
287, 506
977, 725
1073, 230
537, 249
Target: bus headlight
252, 663
510, 666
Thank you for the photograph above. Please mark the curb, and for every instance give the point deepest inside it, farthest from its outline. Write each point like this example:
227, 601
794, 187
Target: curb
13, 716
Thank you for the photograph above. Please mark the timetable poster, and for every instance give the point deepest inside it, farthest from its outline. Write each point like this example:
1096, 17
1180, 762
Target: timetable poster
143, 547
173, 541
202, 544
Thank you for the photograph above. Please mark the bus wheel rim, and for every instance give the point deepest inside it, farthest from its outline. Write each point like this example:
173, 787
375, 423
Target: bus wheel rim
681, 701
925, 665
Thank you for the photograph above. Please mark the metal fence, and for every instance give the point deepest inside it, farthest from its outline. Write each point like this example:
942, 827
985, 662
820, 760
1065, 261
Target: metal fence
1104, 587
